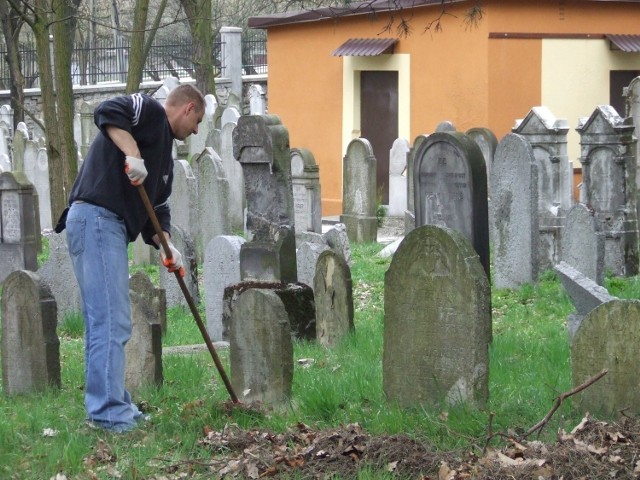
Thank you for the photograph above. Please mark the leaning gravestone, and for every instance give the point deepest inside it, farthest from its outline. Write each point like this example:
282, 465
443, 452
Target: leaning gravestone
307, 200
609, 173
221, 269
359, 200
333, 298
514, 213
260, 348
143, 351
437, 321
608, 339
57, 273
585, 294
19, 224
30, 345
450, 184
582, 244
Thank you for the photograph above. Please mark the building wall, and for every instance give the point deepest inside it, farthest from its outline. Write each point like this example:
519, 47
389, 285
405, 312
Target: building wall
471, 76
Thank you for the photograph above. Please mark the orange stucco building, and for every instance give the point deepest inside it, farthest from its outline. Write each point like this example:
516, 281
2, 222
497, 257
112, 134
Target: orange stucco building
520, 54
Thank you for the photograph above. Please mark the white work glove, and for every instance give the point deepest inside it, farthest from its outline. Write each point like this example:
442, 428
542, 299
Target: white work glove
175, 262
135, 170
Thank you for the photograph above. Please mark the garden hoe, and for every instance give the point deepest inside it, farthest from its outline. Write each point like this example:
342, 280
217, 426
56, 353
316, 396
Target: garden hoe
187, 295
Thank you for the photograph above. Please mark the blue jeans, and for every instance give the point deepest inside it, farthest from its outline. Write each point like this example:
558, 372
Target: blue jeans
97, 240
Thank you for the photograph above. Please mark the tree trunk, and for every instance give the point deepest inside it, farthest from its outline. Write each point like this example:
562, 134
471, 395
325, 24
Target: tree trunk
11, 26
199, 14
136, 51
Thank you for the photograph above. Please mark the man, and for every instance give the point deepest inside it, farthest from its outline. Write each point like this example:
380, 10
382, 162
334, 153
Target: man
106, 212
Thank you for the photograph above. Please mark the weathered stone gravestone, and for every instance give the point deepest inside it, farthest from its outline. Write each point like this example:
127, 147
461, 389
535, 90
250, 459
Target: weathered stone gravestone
584, 292
213, 195
333, 298
18, 147
307, 200
143, 351
19, 224
5, 163
257, 100
6, 117
487, 142
609, 179
514, 213
582, 244
186, 247
445, 126
548, 138
450, 184
632, 104
337, 238
221, 269
359, 200
260, 348
608, 338
87, 127
30, 345
410, 213
36, 168
156, 298
307, 256
184, 198
142, 253
437, 321
261, 145
235, 177
230, 114
57, 273
398, 178
198, 142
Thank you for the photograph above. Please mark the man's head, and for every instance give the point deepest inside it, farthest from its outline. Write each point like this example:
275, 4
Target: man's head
185, 109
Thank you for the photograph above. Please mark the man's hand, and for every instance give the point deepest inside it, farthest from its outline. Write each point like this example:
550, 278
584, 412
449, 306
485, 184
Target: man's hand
175, 262
135, 170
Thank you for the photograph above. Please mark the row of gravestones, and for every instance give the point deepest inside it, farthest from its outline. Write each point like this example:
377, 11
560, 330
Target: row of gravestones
436, 284
532, 220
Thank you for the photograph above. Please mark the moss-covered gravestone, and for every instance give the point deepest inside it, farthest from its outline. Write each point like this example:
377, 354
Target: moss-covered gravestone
437, 321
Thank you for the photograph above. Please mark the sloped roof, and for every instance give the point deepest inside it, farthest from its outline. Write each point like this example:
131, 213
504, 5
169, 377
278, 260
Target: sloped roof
365, 47
356, 8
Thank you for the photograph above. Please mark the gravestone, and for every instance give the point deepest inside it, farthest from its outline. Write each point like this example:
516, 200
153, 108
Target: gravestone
398, 178
410, 213
632, 105
307, 256
198, 142
307, 200
19, 224
514, 213
260, 348
235, 177
173, 292
6, 117
359, 200
57, 273
437, 321
261, 145
221, 269
608, 338
210, 104
229, 115
36, 168
446, 126
333, 295
608, 161
142, 253
487, 142
585, 294
18, 147
87, 127
337, 238
156, 298
450, 182
5, 163
213, 195
257, 100
5, 150
184, 198
582, 244
548, 138
30, 345
143, 351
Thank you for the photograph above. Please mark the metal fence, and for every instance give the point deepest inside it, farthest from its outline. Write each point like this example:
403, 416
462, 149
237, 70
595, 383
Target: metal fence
107, 61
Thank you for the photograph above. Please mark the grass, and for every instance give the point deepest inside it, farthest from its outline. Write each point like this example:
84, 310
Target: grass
529, 367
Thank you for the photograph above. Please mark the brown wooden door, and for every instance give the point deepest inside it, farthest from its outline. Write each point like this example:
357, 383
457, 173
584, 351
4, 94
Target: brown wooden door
379, 120
618, 79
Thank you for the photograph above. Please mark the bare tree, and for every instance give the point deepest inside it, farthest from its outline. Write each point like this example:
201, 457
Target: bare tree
11, 24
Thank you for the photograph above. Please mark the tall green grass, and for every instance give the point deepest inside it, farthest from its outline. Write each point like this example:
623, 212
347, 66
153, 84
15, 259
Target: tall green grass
529, 368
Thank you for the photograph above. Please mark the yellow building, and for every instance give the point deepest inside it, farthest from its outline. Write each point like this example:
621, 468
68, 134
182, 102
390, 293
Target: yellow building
337, 74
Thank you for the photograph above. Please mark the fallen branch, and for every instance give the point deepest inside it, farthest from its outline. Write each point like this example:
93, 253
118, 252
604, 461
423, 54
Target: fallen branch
540, 425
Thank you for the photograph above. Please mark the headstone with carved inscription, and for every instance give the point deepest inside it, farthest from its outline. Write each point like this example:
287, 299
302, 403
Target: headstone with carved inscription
450, 182
305, 179
19, 224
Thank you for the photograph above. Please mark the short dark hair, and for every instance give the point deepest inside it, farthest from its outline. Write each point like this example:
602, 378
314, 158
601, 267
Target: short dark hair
184, 94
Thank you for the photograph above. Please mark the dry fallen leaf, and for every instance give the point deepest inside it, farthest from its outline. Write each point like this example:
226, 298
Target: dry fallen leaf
445, 473
391, 467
